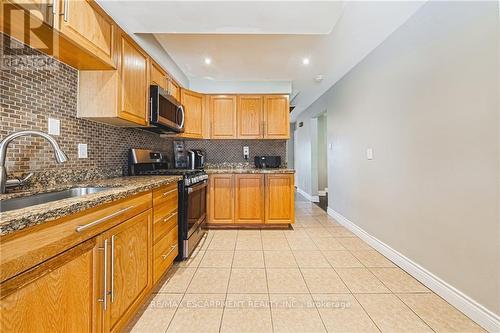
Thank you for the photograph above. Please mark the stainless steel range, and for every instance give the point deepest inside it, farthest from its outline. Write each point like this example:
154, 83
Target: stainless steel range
192, 195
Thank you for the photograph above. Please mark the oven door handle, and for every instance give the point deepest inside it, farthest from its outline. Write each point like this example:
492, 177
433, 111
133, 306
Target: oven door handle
197, 187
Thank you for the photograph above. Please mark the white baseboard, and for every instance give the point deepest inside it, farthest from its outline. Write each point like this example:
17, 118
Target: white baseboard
312, 198
477, 312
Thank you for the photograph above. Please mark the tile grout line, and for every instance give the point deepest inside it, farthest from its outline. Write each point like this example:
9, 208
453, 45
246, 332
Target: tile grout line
228, 283
267, 283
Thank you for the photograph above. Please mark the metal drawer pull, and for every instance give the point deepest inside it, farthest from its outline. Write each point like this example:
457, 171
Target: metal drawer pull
172, 248
168, 192
81, 228
169, 217
66, 10
112, 270
104, 298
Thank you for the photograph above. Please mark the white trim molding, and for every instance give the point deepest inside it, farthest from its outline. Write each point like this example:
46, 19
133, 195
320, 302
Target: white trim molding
477, 312
312, 198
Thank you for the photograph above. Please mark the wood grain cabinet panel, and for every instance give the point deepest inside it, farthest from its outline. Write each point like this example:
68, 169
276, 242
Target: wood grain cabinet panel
249, 198
279, 198
277, 117
134, 83
84, 23
223, 117
221, 199
250, 117
158, 75
55, 296
174, 89
193, 114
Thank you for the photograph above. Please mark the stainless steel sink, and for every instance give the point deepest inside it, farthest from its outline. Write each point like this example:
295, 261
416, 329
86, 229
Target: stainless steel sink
37, 199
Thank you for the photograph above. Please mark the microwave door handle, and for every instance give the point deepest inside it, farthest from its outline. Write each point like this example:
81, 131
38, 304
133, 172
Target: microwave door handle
181, 109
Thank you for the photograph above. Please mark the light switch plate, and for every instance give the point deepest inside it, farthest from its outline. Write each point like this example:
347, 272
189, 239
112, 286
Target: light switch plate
246, 152
54, 126
369, 153
82, 150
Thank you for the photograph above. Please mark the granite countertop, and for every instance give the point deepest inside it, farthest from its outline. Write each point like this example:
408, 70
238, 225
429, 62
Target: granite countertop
247, 170
120, 187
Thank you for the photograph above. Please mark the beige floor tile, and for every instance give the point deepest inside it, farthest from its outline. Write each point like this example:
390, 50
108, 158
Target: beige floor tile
315, 233
391, 314
178, 279
285, 280
198, 313
275, 243
248, 233
438, 314
328, 244
343, 313
341, 259
372, 258
271, 233
295, 313
157, 315
222, 243
340, 232
311, 259
361, 280
323, 280
279, 259
220, 259
301, 243
193, 261
354, 244
247, 313
248, 259
247, 280
249, 243
209, 280
398, 281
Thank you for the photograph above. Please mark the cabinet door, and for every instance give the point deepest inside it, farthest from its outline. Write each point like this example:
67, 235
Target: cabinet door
84, 23
250, 117
223, 117
174, 89
221, 198
55, 296
193, 114
158, 76
130, 268
249, 198
277, 117
134, 83
279, 198
41, 9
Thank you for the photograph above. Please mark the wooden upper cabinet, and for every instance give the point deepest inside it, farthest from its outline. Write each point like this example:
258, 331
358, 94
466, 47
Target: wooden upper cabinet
277, 117
249, 198
130, 269
133, 93
174, 89
158, 75
57, 295
280, 198
221, 199
250, 117
223, 117
84, 23
193, 113
40, 9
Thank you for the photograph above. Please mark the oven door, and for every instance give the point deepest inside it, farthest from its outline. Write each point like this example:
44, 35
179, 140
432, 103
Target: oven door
196, 206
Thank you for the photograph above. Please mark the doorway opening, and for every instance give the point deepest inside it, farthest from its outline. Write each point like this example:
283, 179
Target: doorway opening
322, 161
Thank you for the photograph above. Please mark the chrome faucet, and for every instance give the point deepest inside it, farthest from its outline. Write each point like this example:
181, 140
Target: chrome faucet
59, 155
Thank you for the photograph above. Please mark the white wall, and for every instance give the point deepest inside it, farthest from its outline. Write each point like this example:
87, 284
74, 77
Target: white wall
426, 101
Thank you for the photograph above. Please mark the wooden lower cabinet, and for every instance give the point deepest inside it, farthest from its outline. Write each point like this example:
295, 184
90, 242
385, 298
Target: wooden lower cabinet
280, 198
55, 296
221, 199
249, 198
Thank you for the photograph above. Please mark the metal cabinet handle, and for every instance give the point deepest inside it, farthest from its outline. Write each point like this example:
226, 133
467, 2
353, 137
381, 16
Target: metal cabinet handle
66, 10
112, 270
53, 5
172, 248
169, 217
105, 277
168, 192
81, 228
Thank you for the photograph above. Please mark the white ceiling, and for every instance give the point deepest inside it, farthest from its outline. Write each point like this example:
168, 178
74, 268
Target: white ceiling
262, 42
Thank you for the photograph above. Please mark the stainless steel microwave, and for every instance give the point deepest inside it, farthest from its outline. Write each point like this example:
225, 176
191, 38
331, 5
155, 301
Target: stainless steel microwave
166, 113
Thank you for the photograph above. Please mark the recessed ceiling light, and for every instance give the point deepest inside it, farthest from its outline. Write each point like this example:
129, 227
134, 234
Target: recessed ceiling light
208, 61
305, 61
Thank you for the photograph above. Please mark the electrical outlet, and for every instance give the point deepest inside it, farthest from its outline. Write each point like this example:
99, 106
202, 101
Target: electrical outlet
82, 150
246, 152
54, 126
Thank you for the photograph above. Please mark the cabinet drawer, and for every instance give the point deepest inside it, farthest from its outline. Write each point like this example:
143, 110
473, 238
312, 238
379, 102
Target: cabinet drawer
165, 202
164, 225
164, 253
